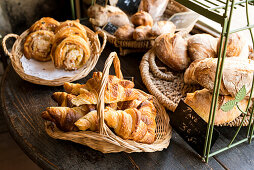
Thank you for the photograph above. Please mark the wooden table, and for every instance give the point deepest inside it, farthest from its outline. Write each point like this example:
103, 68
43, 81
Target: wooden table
23, 103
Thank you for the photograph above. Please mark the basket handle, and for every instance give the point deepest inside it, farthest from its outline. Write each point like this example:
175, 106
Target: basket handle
4, 43
100, 101
104, 37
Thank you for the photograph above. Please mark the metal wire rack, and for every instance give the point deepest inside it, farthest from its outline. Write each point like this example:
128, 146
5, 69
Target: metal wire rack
221, 12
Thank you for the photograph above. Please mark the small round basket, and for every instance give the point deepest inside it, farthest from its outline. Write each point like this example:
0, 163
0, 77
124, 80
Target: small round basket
169, 88
105, 140
17, 53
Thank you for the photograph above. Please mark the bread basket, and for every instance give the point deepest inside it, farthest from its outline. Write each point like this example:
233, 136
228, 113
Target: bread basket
17, 53
169, 88
105, 140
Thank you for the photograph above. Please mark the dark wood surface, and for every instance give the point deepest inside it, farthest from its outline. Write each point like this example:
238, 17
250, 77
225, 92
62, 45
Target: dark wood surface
23, 103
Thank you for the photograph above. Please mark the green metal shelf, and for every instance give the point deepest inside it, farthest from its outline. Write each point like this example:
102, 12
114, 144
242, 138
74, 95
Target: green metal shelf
221, 12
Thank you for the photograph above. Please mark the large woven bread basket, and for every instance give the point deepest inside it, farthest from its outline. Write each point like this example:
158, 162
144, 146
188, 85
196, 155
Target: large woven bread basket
105, 140
169, 88
17, 53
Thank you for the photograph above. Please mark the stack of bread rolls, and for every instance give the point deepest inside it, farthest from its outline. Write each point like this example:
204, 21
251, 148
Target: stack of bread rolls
143, 27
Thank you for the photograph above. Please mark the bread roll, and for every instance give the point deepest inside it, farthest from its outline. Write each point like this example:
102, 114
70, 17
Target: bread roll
124, 32
163, 27
100, 15
200, 102
142, 18
172, 51
235, 45
142, 33
202, 46
236, 73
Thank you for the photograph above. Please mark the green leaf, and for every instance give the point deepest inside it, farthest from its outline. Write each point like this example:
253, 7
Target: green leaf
241, 94
228, 106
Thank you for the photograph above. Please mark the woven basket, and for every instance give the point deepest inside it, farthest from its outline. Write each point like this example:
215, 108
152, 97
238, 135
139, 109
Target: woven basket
169, 88
17, 52
105, 140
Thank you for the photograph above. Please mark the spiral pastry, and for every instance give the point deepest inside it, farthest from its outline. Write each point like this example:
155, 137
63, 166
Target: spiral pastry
72, 53
45, 23
38, 45
70, 23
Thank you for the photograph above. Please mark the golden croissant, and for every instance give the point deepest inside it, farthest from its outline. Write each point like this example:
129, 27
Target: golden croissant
63, 117
38, 45
72, 53
94, 83
45, 23
127, 124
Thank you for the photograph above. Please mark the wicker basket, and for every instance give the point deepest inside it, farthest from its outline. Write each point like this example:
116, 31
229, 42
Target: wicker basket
17, 52
169, 88
105, 140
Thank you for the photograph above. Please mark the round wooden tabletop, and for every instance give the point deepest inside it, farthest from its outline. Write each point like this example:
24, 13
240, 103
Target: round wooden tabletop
23, 103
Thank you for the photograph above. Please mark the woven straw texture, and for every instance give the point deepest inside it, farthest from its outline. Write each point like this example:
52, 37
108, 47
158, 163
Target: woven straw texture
105, 140
17, 52
169, 87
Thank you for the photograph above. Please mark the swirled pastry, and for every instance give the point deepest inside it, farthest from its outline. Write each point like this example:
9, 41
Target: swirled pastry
72, 53
38, 45
45, 23
70, 23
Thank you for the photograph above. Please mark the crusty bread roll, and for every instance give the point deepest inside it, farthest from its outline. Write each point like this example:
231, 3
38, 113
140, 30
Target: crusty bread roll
142, 18
100, 15
236, 73
235, 45
163, 27
142, 33
124, 32
200, 102
172, 51
202, 46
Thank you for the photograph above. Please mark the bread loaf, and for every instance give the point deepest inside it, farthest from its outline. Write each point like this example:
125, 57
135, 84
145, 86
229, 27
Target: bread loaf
142, 18
124, 32
172, 51
236, 73
200, 102
163, 27
142, 33
202, 46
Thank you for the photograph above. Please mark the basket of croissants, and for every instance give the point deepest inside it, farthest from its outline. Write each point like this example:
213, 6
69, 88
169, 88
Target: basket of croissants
184, 68
69, 45
109, 115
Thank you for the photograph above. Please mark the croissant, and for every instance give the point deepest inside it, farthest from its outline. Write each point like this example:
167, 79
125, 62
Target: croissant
94, 83
126, 124
45, 23
64, 117
63, 99
38, 45
72, 53
113, 93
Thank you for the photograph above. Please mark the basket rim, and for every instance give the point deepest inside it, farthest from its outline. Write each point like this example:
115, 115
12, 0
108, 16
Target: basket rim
16, 64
